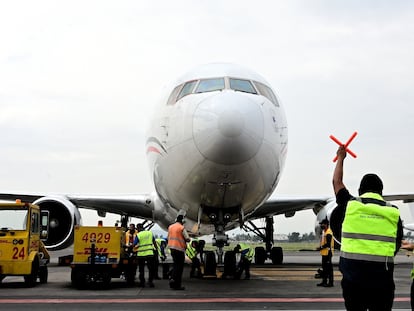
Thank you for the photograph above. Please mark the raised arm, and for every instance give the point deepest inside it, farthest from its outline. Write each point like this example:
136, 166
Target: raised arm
338, 175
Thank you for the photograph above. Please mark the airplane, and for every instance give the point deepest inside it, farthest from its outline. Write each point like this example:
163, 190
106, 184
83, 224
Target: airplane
410, 226
216, 149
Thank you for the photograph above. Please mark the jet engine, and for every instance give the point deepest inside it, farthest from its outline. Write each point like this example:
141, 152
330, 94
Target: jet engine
63, 217
326, 213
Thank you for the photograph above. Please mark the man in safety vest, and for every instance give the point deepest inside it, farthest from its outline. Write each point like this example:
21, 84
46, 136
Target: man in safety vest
130, 235
145, 245
160, 255
326, 250
177, 243
371, 236
193, 249
246, 257
410, 247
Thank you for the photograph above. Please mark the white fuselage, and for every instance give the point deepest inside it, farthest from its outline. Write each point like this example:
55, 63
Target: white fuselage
217, 143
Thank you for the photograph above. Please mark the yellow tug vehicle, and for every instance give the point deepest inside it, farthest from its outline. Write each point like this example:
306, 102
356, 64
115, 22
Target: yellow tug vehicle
22, 253
99, 255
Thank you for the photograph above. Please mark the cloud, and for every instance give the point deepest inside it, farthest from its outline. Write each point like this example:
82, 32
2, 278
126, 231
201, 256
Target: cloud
79, 82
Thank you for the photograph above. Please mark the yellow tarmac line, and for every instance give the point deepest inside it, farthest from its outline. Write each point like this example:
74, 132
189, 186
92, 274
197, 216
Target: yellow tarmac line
288, 274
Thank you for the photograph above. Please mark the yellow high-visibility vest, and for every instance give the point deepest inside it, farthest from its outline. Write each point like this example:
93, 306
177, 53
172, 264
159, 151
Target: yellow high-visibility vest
145, 245
250, 254
325, 251
369, 229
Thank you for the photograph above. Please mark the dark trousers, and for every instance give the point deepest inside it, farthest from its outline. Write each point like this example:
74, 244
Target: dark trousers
195, 268
412, 295
178, 267
360, 297
327, 269
156, 264
149, 261
243, 265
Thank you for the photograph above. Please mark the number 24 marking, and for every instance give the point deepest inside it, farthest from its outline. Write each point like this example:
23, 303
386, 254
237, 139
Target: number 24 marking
18, 254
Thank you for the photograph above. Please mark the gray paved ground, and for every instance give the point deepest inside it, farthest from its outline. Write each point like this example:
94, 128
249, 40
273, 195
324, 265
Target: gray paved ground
290, 286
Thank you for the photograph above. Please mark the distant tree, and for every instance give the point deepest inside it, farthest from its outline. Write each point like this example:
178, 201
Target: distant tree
312, 236
308, 237
294, 237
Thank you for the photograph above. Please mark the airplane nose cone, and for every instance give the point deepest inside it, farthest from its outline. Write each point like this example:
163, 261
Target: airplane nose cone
228, 128
230, 123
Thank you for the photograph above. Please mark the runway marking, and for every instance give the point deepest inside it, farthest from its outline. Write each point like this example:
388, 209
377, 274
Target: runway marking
288, 274
179, 300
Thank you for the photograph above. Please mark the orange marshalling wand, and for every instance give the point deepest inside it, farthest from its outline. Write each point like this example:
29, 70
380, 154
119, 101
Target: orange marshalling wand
345, 145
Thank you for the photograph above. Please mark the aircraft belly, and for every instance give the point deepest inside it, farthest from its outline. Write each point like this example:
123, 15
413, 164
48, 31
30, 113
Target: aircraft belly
198, 182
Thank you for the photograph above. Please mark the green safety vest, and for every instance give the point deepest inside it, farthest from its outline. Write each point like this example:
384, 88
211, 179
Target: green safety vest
250, 254
191, 252
145, 244
158, 242
369, 229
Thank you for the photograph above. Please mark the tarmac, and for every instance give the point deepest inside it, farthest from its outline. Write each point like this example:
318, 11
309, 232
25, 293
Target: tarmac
290, 286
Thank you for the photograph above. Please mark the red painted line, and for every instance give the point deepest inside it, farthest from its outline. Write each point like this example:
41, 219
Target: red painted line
179, 300
153, 149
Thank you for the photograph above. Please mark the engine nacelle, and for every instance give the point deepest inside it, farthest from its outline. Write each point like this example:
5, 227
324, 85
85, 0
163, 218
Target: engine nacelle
324, 213
63, 217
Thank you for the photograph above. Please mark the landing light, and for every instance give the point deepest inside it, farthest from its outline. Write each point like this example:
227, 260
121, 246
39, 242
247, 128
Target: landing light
212, 216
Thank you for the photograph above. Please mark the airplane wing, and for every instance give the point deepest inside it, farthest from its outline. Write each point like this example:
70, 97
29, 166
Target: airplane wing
131, 205
289, 206
406, 198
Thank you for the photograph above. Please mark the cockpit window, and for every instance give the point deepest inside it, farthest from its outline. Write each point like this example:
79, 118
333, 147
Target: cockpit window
242, 86
266, 92
173, 96
209, 85
187, 89
218, 84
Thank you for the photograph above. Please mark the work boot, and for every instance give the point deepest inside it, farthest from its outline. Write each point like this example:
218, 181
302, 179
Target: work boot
150, 284
323, 284
141, 284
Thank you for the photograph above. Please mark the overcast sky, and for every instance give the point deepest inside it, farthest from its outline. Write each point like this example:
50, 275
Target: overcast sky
79, 81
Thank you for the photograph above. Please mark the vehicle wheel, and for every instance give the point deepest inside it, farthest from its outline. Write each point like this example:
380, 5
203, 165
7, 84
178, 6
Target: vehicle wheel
276, 255
43, 274
78, 278
210, 264
229, 263
259, 255
30, 279
106, 279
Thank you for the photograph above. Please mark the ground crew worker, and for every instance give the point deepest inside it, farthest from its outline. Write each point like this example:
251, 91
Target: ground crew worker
130, 238
193, 249
159, 255
326, 250
144, 245
246, 257
410, 247
177, 238
371, 236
